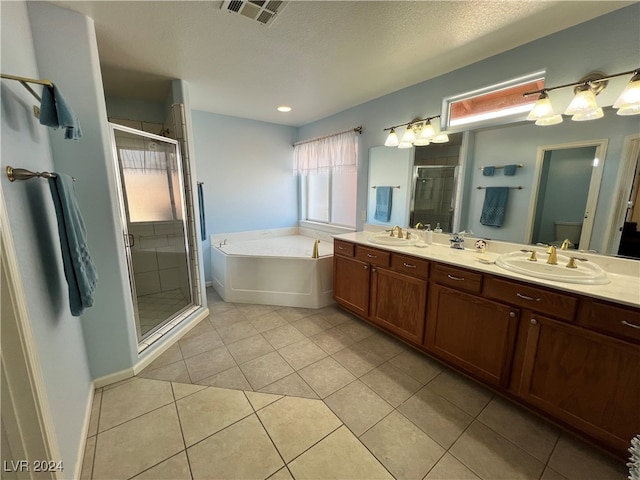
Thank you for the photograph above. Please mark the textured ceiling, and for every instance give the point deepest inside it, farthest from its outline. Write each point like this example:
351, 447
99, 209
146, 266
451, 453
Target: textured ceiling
319, 57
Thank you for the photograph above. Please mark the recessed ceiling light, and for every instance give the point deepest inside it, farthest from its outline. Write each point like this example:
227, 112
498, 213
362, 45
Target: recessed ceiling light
284, 108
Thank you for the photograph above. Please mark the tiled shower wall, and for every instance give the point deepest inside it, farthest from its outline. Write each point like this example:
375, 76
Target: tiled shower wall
159, 257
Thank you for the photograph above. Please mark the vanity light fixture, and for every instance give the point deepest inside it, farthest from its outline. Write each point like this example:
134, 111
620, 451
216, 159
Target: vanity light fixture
628, 103
392, 139
419, 132
584, 106
542, 112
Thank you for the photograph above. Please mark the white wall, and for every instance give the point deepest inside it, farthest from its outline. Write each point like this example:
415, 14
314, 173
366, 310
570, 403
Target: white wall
32, 223
247, 170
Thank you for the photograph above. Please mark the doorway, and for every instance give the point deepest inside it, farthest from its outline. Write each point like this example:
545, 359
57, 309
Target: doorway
565, 193
154, 220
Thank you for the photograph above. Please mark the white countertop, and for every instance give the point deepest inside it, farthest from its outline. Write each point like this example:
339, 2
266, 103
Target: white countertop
624, 275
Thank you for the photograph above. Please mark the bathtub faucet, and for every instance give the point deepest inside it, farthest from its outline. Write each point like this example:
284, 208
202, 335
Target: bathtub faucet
314, 254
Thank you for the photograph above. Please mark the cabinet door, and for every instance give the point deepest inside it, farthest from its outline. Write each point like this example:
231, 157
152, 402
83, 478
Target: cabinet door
399, 303
475, 334
351, 284
586, 379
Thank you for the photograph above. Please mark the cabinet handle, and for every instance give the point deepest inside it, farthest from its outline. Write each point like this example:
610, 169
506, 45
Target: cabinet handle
458, 279
408, 265
340, 247
525, 297
534, 321
366, 267
512, 314
624, 322
371, 256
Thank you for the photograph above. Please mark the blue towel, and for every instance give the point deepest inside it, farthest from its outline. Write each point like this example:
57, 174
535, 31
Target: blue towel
79, 269
488, 171
495, 206
54, 113
510, 169
383, 203
203, 226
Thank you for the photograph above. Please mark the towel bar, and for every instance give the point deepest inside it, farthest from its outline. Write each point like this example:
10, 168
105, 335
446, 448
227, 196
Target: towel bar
519, 165
511, 188
23, 174
395, 186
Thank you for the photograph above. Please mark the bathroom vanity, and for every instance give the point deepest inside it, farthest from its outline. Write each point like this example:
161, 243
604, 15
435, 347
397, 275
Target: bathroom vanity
569, 352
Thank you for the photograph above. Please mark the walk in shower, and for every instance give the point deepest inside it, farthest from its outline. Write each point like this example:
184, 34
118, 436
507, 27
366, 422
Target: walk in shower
155, 227
433, 198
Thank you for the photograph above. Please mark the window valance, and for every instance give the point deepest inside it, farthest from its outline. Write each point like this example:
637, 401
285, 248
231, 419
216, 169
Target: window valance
332, 153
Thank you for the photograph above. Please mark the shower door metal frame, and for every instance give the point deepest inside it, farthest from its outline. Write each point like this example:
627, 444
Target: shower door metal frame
192, 305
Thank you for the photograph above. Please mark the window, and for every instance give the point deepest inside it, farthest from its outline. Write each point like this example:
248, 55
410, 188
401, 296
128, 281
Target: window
328, 179
484, 106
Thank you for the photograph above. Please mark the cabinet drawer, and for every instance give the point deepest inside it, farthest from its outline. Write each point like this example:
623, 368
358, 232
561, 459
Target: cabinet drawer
341, 247
411, 265
614, 320
373, 256
535, 298
458, 278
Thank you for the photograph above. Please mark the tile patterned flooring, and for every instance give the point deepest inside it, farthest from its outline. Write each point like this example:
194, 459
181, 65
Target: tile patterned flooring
257, 392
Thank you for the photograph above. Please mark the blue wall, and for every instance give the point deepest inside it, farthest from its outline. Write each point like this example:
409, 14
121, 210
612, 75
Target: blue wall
67, 53
247, 170
58, 335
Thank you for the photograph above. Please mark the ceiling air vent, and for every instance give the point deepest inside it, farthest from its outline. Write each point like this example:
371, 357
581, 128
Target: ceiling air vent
262, 11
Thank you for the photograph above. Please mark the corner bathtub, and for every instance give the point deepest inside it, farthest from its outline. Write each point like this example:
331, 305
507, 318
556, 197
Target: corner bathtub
273, 271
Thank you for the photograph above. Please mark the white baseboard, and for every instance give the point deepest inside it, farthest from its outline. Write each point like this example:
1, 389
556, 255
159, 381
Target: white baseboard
85, 432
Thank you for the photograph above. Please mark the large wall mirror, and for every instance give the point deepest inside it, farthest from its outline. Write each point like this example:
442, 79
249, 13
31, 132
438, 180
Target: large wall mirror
576, 182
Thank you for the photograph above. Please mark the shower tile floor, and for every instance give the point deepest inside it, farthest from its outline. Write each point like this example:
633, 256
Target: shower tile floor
268, 392
155, 308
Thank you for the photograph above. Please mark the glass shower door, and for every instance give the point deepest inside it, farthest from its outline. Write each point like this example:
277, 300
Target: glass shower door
155, 228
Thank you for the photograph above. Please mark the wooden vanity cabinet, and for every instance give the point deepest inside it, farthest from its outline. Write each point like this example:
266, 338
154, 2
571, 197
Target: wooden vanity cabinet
574, 359
351, 279
473, 333
399, 297
584, 379
387, 289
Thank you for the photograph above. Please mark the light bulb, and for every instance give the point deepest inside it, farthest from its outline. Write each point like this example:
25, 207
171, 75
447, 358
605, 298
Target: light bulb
392, 139
425, 135
542, 108
409, 135
553, 120
584, 101
589, 115
440, 138
630, 96
629, 110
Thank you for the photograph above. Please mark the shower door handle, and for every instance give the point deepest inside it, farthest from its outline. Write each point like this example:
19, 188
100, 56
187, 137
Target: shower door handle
129, 240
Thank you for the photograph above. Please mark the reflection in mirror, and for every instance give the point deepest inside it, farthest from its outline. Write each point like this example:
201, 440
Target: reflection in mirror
522, 144
568, 185
433, 192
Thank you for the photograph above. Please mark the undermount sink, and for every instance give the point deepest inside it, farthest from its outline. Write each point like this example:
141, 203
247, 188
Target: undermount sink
383, 238
587, 273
